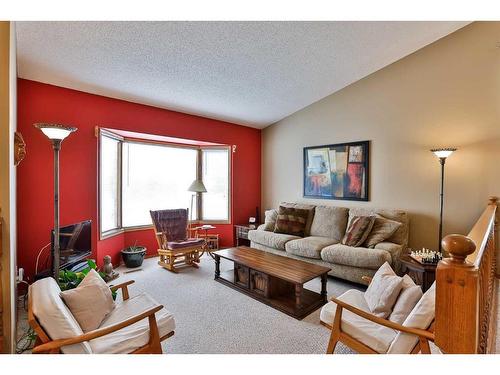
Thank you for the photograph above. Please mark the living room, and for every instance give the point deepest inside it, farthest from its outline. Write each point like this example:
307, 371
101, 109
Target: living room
250, 187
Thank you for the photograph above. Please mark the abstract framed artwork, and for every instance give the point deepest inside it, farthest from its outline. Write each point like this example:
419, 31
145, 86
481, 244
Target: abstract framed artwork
338, 171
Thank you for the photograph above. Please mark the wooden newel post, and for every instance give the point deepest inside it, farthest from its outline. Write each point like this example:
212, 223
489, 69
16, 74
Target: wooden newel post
456, 323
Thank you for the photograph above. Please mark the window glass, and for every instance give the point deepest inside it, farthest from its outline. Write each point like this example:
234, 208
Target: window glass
215, 176
109, 183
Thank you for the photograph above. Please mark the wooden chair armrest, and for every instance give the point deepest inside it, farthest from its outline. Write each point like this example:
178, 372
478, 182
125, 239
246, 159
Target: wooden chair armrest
124, 287
384, 322
368, 279
56, 344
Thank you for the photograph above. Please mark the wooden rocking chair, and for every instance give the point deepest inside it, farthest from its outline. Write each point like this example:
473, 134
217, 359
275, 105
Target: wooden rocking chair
357, 328
174, 247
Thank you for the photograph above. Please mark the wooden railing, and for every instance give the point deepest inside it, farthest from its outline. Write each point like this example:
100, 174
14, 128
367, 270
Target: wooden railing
465, 288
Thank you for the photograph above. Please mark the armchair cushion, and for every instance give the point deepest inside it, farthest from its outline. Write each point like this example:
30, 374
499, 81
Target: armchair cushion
383, 291
190, 242
421, 317
90, 302
374, 335
54, 316
408, 297
136, 335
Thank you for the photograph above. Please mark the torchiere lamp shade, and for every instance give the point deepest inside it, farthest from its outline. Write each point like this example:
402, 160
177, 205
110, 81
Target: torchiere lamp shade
55, 131
197, 187
443, 153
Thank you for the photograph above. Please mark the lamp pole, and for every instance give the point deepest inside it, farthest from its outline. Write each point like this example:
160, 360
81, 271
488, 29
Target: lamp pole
441, 199
56, 144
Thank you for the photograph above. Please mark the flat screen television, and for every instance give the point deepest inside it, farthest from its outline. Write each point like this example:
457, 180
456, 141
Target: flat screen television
75, 243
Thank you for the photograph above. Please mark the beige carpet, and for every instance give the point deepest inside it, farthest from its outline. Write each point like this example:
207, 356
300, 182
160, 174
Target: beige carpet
213, 318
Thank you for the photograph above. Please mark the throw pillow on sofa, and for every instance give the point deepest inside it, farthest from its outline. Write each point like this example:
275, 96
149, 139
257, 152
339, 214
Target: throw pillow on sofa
291, 221
383, 291
359, 228
90, 301
382, 229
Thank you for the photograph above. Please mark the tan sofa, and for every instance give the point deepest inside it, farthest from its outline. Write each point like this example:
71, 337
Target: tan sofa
325, 228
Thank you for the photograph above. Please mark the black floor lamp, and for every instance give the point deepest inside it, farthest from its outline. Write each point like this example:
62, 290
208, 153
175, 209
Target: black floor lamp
56, 133
442, 154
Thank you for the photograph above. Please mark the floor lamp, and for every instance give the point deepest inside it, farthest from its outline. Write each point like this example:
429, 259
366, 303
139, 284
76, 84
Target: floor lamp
56, 133
442, 154
196, 187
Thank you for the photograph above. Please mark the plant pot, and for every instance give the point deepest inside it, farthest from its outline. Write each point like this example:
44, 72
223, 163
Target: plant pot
133, 259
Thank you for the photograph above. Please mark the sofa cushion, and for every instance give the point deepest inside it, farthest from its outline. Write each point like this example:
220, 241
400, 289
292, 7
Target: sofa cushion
383, 291
382, 229
374, 335
291, 221
270, 239
308, 207
90, 302
408, 297
358, 229
401, 235
421, 317
329, 222
136, 335
355, 256
53, 315
309, 247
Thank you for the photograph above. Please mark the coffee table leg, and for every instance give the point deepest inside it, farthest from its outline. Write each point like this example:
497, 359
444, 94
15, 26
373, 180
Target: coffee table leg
298, 295
217, 266
324, 278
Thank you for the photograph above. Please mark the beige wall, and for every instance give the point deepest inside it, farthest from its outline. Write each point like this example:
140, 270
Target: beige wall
7, 180
447, 94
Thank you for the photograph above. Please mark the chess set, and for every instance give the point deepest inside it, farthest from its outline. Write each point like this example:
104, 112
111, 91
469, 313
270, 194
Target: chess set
426, 256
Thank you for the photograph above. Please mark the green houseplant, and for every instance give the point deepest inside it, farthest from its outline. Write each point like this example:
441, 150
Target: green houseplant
133, 256
70, 279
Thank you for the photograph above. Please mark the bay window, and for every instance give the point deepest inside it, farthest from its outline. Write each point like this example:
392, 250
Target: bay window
137, 176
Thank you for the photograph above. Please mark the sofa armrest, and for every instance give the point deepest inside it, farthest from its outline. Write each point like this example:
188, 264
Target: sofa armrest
261, 227
395, 250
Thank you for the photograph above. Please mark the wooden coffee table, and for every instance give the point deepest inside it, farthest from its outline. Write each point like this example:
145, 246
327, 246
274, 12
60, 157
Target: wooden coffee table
275, 280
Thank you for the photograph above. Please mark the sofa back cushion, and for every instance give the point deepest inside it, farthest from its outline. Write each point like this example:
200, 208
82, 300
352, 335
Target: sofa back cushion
401, 235
329, 222
53, 315
302, 206
291, 221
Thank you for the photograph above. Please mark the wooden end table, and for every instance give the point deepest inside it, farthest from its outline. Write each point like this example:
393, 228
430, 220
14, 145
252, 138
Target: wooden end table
422, 274
241, 233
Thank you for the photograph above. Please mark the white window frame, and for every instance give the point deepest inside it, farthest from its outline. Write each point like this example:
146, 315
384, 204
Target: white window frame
121, 229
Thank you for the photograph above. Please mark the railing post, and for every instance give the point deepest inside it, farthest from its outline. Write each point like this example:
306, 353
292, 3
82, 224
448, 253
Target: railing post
457, 317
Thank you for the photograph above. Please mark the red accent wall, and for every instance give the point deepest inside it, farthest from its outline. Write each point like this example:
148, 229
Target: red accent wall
38, 102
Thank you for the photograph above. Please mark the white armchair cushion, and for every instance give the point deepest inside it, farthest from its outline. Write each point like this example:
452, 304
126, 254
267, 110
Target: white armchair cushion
136, 335
408, 297
374, 335
90, 302
53, 315
383, 291
421, 317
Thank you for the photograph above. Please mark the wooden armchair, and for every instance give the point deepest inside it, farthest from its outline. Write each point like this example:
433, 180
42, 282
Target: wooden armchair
359, 329
175, 248
58, 331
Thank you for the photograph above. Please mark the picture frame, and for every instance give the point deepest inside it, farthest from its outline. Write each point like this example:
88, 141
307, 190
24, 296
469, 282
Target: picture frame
337, 171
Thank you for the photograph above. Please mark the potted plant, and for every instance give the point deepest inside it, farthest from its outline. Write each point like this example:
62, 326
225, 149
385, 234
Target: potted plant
133, 255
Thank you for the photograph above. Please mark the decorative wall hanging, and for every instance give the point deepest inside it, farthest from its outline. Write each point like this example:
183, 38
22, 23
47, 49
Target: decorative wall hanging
338, 171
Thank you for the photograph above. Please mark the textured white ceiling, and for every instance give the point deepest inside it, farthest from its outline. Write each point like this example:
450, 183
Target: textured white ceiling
250, 73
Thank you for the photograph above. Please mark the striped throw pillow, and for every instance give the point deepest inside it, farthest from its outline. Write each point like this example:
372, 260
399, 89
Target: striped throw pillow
359, 228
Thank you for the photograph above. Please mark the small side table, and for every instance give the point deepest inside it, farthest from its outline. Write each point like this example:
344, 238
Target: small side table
241, 233
211, 239
422, 274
